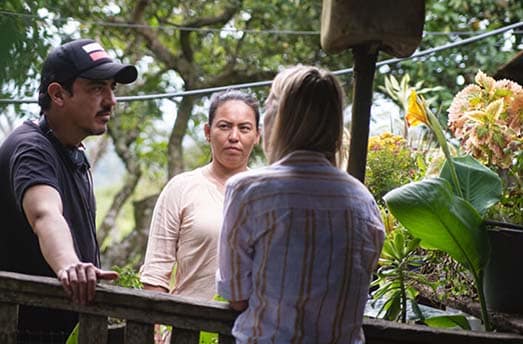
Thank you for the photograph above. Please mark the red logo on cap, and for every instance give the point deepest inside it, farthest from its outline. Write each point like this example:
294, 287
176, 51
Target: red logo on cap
98, 55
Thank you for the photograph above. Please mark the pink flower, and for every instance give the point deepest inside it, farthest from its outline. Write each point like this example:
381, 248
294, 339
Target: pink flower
487, 118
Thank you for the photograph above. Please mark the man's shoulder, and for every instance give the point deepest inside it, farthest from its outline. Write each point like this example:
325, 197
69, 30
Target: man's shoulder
28, 135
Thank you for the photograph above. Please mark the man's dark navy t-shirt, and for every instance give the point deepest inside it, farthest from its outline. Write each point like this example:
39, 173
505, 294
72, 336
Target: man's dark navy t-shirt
29, 156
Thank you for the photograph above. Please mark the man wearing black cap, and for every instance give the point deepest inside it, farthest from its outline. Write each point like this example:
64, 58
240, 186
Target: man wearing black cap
47, 202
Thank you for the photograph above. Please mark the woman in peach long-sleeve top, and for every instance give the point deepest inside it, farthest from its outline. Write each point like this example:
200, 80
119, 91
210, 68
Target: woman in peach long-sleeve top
188, 214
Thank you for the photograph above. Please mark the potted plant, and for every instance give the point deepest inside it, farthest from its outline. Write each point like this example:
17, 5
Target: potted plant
448, 212
487, 118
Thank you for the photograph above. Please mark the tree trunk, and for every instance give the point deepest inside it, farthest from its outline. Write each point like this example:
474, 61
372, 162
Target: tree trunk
98, 150
109, 221
175, 148
132, 249
123, 137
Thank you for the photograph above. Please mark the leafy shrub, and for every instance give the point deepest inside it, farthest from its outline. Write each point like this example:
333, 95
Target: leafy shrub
390, 163
129, 278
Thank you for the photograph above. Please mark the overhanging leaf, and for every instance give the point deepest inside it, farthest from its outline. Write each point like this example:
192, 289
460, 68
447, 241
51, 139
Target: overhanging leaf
433, 213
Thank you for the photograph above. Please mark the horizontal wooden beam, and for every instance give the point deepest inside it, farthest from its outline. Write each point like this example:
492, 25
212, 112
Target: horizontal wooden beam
141, 309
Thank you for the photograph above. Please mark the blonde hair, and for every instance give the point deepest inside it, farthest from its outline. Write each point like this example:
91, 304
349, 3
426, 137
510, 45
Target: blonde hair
309, 113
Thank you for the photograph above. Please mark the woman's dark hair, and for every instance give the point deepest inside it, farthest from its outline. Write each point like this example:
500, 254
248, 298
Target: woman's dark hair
219, 98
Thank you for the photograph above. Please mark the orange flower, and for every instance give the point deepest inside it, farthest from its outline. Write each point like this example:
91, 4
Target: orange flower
416, 112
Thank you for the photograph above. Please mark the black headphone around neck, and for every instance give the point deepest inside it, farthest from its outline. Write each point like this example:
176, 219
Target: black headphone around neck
75, 155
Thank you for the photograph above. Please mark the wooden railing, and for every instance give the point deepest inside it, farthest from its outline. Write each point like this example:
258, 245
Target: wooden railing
142, 309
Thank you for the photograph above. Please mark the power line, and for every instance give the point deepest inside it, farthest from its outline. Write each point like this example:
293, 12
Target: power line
442, 47
231, 30
169, 27
268, 82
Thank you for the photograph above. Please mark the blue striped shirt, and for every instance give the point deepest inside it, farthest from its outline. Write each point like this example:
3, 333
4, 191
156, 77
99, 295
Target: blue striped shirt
299, 241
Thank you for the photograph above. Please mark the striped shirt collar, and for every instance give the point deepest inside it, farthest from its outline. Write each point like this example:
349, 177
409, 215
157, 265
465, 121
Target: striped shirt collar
303, 157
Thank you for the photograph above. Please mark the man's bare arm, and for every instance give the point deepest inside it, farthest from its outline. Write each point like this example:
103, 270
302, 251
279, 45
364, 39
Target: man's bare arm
43, 208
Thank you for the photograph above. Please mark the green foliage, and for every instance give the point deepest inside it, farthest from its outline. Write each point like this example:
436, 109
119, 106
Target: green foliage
390, 163
398, 271
125, 222
170, 59
448, 321
399, 90
451, 279
128, 277
510, 207
73, 336
432, 211
22, 43
208, 338
479, 185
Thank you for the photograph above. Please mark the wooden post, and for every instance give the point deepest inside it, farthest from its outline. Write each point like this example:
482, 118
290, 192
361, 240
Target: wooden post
367, 26
137, 333
8, 322
93, 329
365, 57
181, 336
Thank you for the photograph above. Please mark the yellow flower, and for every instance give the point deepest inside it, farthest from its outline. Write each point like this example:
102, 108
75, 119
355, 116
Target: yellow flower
416, 112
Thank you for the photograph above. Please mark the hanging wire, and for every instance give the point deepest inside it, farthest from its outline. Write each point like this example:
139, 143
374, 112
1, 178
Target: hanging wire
167, 27
232, 30
268, 82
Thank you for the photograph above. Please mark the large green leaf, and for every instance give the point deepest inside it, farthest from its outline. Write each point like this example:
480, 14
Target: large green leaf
479, 185
433, 213
73, 336
448, 321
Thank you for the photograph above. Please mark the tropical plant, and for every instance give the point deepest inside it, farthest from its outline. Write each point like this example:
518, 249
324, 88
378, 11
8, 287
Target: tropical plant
447, 212
398, 271
400, 275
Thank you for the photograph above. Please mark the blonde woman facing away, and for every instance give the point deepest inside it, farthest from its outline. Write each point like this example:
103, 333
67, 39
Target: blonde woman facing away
300, 238
188, 214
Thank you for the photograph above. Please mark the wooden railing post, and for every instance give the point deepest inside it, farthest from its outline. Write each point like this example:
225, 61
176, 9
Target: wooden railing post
181, 336
138, 333
8, 322
93, 329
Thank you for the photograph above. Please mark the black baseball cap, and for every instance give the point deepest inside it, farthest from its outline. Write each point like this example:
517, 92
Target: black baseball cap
84, 58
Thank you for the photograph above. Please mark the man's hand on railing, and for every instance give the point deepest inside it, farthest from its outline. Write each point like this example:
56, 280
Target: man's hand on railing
79, 281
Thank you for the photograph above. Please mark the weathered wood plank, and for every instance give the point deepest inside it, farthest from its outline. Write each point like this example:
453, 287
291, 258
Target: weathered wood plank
93, 329
8, 322
143, 309
139, 333
124, 303
389, 332
180, 336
